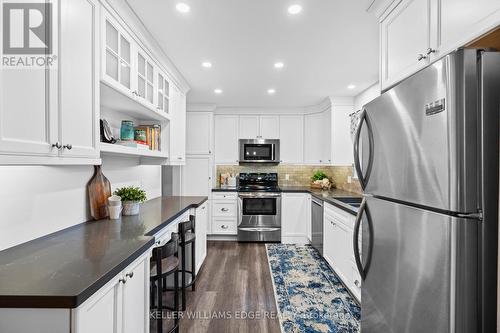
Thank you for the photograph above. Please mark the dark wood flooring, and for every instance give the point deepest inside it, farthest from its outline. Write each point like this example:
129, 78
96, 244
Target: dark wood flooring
234, 282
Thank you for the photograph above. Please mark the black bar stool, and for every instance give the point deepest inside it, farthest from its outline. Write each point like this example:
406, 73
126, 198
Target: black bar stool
187, 234
165, 262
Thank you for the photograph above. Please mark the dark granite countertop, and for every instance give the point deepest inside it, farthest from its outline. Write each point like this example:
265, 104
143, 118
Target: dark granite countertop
330, 196
63, 269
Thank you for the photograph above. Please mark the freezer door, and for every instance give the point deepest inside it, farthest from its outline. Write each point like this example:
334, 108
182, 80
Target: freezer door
422, 271
424, 134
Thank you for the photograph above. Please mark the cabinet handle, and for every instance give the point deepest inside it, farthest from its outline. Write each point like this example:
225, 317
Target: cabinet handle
224, 209
320, 161
122, 281
130, 275
179, 158
357, 283
135, 93
203, 207
224, 226
210, 152
69, 146
421, 57
57, 145
430, 50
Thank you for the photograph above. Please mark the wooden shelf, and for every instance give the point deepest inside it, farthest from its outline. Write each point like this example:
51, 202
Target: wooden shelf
113, 149
116, 100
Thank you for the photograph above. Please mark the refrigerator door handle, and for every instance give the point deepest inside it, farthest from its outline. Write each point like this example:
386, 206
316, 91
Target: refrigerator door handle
363, 179
363, 209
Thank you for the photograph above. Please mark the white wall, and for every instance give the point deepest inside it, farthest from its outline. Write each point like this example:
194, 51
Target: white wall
38, 200
366, 96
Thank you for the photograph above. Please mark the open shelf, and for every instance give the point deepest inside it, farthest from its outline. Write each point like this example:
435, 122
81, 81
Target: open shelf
112, 149
117, 101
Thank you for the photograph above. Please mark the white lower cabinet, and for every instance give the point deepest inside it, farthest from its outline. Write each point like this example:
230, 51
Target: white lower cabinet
224, 213
295, 218
122, 305
337, 246
201, 234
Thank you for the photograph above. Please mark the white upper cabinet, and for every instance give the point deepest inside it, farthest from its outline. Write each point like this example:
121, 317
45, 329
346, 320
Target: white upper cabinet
326, 143
178, 128
163, 94
291, 138
405, 38
461, 21
49, 116
199, 133
314, 139
342, 147
145, 76
197, 176
269, 127
226, 139
249, 127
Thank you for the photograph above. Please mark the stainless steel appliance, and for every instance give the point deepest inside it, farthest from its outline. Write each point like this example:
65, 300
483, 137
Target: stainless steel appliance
317, 224
259, 151
259, 208
429, 170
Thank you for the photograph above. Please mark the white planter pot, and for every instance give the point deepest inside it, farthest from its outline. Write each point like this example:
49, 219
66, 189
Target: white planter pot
131, 207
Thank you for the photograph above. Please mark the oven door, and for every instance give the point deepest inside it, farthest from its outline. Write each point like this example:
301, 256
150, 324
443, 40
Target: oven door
259, 210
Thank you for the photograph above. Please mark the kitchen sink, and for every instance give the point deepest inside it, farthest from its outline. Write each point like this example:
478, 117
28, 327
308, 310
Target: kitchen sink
355, 202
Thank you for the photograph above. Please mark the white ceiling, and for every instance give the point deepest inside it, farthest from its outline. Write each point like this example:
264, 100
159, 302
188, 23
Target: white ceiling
329, 45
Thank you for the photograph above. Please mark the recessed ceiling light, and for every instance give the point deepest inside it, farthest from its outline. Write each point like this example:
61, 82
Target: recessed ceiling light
182, 8
279, 65
351, 86
294, 9
271, 91
218, 91
206, 64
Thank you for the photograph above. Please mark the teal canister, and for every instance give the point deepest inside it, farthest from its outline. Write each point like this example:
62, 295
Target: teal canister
127, 130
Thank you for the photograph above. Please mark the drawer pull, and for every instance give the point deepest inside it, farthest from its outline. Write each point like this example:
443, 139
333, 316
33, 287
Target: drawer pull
122, 281
130, 275
357, 283
224, 209
224, 226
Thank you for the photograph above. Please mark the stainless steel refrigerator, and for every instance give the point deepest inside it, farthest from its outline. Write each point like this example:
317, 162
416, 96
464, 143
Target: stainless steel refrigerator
426, 153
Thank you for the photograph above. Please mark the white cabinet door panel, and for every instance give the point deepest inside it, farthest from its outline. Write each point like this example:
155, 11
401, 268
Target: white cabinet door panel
292, 139
313, 138
295, 216
201, 234
269, 127
78, 86
199, 133
249, 127
226, 139
342, 146
405, 33
196, 176
135, 298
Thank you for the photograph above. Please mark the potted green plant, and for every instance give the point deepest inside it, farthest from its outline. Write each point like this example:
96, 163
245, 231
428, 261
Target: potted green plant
320, 180
131, 198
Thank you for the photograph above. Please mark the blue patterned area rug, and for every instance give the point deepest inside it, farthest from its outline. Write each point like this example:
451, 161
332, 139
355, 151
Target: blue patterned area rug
310, 297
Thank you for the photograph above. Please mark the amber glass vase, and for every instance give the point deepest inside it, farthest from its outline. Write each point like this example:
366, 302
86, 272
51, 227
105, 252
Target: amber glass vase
99, 189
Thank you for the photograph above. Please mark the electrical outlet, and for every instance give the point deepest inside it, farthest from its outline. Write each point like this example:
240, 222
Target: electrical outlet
349, 179
287, 177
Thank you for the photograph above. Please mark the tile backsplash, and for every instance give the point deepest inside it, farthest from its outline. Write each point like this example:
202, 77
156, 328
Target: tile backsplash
299, 175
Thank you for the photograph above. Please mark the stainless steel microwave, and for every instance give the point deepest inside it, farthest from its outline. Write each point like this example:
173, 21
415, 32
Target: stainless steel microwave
259, 151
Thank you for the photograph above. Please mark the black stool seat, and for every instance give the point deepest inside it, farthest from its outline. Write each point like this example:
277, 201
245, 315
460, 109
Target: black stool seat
189, 237
168, 265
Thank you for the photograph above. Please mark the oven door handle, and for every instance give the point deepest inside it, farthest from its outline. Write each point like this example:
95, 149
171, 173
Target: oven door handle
260, 229
259, 195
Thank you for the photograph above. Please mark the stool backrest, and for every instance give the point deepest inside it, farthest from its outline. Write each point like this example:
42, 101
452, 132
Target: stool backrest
168, 249
187, 225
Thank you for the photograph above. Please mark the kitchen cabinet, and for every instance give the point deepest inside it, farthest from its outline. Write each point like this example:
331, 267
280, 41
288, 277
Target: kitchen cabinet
51, 116
122, 305
258, 126
224, 213
295, 217
249, 127
337, 245
269, 127
199, 133
163, 94
408, 20
341, 143
315, 138
291, 137
177, 128
145, 85
226, 139
197, 176
202, 215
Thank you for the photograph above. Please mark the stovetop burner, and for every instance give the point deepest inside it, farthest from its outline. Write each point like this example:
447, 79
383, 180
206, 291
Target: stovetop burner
258, 182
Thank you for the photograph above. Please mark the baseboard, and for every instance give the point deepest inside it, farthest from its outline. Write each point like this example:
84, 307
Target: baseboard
229, 238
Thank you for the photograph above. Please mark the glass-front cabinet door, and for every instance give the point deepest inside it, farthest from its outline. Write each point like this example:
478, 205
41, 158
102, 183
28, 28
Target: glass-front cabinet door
117, 64
163, 94
145, 78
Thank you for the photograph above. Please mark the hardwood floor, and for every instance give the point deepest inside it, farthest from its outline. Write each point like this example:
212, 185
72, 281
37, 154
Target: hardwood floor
234, 281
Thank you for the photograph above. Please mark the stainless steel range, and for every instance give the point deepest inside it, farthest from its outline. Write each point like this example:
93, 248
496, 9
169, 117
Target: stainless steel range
259, 208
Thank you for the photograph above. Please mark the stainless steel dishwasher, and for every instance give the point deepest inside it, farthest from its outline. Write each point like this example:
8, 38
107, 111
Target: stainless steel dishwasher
317, 224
